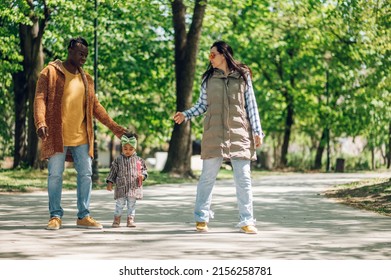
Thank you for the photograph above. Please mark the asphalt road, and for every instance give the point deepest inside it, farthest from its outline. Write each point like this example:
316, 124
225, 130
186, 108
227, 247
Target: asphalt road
295, 222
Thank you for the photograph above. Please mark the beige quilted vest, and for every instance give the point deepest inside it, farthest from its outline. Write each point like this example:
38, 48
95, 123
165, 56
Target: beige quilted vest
227, 129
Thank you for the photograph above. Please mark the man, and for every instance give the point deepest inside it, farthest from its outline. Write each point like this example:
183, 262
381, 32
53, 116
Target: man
64, 107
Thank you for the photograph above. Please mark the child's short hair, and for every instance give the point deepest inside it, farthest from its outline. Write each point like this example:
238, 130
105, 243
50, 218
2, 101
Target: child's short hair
131, 134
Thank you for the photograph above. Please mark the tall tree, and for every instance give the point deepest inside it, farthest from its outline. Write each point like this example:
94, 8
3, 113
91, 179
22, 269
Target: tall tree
356, 33
281, 50
137, 84
186, 49
25, 80
389, 147
10, 63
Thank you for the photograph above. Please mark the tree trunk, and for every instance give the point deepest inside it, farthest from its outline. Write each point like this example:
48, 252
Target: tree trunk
287, 93
287, 130
20, 101
320, 150
26, 150
111, 150
32, 137
186, 49
95, 161
389, 147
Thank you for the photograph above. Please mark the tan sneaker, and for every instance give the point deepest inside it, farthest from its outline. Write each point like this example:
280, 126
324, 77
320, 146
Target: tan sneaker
249, 229
54, 223
202, 227
88, 222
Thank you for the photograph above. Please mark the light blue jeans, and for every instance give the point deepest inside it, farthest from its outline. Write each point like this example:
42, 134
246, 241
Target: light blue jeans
120, 203
83, 166
242, 178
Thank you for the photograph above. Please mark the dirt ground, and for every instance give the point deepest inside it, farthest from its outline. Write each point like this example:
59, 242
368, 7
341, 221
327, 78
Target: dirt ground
373, 195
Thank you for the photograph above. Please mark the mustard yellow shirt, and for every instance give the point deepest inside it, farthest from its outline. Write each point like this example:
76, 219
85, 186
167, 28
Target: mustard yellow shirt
74, 127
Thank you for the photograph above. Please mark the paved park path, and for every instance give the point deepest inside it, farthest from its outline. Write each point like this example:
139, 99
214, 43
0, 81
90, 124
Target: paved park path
295, 222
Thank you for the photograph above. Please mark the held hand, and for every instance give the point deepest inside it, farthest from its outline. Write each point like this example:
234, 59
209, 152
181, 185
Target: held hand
179, 117
109, 187
258, 141
43, 133
140, 179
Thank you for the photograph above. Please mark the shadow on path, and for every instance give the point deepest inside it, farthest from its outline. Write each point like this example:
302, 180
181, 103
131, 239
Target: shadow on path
294, 220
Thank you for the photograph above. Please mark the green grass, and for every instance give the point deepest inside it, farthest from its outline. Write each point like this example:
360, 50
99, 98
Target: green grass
24, 180
27, 180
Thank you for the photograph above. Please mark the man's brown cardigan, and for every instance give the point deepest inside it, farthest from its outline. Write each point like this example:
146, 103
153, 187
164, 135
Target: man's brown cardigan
47, 110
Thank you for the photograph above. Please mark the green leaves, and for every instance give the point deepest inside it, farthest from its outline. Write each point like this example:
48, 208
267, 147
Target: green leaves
283, 42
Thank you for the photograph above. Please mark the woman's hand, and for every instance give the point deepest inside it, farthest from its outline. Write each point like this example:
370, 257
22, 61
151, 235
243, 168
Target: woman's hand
179, 117
258, 141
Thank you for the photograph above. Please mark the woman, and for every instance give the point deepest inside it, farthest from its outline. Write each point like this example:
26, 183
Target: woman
232, 131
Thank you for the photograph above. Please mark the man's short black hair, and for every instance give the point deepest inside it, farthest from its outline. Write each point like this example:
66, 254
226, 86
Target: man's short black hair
74, 41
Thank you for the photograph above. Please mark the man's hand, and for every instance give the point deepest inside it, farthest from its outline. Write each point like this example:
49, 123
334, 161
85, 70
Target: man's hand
43, 133
109, 186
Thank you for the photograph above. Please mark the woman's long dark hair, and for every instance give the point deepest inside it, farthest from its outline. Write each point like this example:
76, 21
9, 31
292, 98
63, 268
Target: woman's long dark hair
226, 50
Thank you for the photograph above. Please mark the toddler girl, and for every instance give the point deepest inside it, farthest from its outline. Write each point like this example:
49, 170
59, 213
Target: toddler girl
127, 172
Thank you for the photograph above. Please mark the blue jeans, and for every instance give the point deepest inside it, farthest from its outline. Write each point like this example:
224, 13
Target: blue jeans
83, 166
120, 203
242, 178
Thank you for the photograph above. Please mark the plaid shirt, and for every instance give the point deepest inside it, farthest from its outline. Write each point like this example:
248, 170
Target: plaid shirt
251, 107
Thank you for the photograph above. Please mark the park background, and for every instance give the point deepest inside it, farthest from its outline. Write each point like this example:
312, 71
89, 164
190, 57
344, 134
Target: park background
321, 75
321, 78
